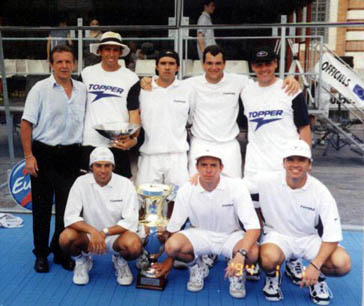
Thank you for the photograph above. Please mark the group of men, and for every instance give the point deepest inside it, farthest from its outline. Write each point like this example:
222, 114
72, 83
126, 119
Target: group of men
102, 210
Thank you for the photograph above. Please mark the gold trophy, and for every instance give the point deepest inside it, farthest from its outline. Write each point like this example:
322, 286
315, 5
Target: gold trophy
154, 219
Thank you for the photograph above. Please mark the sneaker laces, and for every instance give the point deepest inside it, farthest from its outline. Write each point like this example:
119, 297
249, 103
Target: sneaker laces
196, 274
236, 282
322, 289
297, 267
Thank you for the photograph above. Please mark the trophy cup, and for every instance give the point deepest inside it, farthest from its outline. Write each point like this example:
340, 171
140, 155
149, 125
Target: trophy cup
154, 219
115, 130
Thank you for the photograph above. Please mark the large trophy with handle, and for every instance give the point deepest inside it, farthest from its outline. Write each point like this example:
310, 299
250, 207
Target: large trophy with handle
154, 220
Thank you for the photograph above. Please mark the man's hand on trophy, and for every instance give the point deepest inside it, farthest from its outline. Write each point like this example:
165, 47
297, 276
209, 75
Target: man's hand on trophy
125, 143
163, 268
146, 83
97, 243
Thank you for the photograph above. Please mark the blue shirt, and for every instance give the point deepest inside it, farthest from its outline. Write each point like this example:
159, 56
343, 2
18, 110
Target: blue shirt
56, 119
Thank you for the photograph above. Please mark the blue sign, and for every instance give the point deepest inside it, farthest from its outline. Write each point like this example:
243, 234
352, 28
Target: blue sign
19, 185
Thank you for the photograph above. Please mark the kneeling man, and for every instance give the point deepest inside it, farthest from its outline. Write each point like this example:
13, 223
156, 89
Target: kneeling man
214, 206
301, 220
101, 215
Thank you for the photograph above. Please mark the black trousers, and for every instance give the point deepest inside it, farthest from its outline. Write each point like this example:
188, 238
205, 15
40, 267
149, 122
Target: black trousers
58, 169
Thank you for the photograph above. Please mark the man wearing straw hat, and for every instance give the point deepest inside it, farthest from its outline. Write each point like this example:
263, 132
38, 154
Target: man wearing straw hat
111, 93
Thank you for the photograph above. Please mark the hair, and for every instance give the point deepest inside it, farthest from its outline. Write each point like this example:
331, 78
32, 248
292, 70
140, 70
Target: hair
102, 46
214, 50
59, 49
206, 2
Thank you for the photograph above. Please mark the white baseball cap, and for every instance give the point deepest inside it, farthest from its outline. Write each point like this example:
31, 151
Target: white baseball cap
101, 154
110, 38
298, 148
209, 152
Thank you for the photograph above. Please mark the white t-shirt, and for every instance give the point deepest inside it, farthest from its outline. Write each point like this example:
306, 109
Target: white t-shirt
164, 113
106, 100
219, 210
296, 212
216, 107
270, 126
114, 204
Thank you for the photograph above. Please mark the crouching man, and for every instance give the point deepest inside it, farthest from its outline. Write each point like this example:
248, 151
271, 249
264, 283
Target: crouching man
214, 207
101, 216
301, 220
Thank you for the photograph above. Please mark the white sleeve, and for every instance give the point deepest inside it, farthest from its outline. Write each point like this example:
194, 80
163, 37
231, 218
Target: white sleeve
202, 20
130, 210
245, 209
330, 218
180, 211
244, 81
74, 205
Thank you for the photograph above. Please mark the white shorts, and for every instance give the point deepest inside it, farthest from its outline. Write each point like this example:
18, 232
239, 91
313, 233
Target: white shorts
207, 242
293, 247
109, 241
168, 168
230, 151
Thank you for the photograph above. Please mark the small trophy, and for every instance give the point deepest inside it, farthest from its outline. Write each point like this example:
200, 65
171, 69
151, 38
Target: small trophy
114, 130
154, 218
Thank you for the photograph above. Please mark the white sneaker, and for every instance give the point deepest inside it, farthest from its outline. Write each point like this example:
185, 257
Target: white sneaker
272, 288
123, 273
320, 293
197, 274
209, 260
83, 264
237, 286
294, 271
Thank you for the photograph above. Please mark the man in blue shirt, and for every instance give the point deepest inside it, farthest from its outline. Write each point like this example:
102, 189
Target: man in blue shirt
51, 133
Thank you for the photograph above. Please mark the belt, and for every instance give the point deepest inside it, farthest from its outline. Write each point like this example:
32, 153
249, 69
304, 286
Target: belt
59, 147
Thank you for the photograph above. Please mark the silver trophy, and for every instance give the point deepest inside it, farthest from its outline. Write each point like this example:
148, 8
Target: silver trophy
154, 219
116, 130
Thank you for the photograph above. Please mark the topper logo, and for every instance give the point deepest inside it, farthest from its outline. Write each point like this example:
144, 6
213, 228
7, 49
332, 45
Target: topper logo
19, 185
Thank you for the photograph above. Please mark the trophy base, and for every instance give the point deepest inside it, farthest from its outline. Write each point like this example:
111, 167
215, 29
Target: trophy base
152, 283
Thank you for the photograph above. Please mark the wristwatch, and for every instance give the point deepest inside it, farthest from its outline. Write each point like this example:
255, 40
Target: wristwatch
106, 231
243, 253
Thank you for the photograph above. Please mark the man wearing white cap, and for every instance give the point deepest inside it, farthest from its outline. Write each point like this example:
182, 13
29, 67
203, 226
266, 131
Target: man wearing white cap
214, 206
101, 216
301, 220
111, 93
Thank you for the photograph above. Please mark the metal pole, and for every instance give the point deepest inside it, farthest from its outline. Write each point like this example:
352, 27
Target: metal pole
9, 120
283, 47
80, 46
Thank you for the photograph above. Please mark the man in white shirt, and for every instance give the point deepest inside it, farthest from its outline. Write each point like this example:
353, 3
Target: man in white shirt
205, 37
274, 119
112, 90
51, 134
101, 216
214, 206
301, 220
164, 114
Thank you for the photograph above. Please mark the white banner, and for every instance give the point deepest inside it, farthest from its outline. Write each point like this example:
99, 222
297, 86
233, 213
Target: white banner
343, 79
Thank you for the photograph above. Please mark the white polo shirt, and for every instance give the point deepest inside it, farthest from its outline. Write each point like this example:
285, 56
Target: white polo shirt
114, 204
216, 107
164, 113
296, 212
271, 125
219, 210
106, 101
